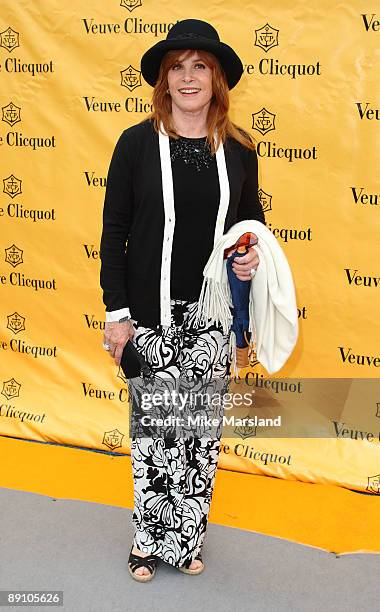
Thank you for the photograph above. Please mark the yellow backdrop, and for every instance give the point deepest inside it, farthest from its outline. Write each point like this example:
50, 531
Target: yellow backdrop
70, 84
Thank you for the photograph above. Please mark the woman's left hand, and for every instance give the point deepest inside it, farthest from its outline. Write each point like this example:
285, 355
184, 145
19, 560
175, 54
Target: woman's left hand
242, 266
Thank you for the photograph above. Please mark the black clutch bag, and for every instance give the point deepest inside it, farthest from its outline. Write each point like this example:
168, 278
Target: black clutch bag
133, 363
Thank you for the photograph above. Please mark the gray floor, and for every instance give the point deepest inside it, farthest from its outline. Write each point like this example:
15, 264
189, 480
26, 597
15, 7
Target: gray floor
82, 549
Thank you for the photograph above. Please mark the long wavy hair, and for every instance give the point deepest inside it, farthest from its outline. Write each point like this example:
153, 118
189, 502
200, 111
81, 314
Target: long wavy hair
218, 121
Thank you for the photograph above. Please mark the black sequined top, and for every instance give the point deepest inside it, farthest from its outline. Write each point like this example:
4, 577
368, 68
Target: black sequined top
134, 213
194, 151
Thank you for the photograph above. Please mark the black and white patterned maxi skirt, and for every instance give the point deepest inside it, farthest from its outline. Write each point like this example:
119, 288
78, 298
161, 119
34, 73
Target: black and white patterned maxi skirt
174, 475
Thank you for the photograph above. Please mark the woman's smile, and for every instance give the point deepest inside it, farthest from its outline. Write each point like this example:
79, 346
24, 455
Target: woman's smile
189, 91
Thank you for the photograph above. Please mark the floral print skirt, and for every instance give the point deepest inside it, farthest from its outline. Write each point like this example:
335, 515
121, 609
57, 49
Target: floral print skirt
174, 475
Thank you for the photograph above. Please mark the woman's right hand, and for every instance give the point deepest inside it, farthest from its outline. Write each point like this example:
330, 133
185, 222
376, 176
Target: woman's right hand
116, 335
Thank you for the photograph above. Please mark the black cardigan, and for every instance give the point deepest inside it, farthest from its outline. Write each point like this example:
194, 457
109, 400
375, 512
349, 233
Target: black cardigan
134, 212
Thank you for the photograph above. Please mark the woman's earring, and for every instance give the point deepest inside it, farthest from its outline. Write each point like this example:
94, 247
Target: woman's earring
168, 91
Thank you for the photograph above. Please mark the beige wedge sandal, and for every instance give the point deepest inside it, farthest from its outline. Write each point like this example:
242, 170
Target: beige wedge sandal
186, 570
136, 561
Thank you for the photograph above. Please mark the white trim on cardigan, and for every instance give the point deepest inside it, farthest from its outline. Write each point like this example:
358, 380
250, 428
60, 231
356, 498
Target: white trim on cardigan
224, 193
169, 223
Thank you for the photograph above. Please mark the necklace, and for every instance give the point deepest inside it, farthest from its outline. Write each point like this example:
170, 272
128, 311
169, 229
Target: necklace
194, 151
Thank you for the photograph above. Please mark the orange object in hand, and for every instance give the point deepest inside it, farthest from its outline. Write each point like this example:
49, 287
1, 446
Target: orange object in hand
242, 245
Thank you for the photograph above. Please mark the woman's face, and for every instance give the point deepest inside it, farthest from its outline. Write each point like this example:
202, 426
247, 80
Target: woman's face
190, 83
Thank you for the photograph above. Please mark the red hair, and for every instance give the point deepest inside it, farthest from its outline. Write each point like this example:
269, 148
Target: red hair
218, 120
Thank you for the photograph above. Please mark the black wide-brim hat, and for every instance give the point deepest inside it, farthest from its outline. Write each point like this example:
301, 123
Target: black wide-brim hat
192, 34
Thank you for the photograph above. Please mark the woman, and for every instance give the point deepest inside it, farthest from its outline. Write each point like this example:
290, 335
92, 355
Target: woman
177, 181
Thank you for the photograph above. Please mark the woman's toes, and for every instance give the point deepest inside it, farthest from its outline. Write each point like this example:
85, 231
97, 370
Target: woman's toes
195, 564
140, 571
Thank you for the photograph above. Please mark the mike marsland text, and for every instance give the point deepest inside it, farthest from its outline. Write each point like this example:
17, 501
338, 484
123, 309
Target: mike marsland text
202, 420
